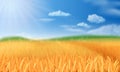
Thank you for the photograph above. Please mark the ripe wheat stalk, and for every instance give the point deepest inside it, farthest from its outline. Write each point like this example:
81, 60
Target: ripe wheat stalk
59, 64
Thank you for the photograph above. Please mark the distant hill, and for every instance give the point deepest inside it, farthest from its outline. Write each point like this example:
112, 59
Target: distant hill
81, 37
18, 38
86, 37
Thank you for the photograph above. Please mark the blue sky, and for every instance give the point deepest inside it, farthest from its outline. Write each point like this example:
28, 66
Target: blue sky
45, 18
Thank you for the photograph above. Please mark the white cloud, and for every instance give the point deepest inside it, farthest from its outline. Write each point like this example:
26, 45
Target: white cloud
80, 27
72, 28
59, 13
114, 11
83, 24
112, 29
46, 19
75, 30
94, 18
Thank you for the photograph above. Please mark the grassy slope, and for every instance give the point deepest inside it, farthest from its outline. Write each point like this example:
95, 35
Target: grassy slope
86, 37
13, 38
82, 37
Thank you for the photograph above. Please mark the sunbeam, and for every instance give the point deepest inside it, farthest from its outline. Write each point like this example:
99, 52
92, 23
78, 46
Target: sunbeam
16, 15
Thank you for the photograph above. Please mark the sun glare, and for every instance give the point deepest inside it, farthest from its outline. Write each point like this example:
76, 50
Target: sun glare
15, 14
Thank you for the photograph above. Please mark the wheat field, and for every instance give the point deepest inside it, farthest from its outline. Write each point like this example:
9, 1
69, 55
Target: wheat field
59, 56
59, 64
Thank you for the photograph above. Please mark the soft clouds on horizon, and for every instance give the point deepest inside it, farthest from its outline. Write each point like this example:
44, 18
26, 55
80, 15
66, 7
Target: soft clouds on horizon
111, 29
72, 28
80, 27
114, 11
46, 19
58, 13
94, 18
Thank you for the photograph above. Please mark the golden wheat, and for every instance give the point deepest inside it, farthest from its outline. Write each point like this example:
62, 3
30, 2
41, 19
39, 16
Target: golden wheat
39, 56
64, 63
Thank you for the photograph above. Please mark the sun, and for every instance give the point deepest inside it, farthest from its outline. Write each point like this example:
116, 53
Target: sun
14, 12
16, 15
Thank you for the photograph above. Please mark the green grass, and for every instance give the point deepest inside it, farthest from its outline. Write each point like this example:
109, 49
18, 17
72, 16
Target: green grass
81, 37
13, 38
87, 37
